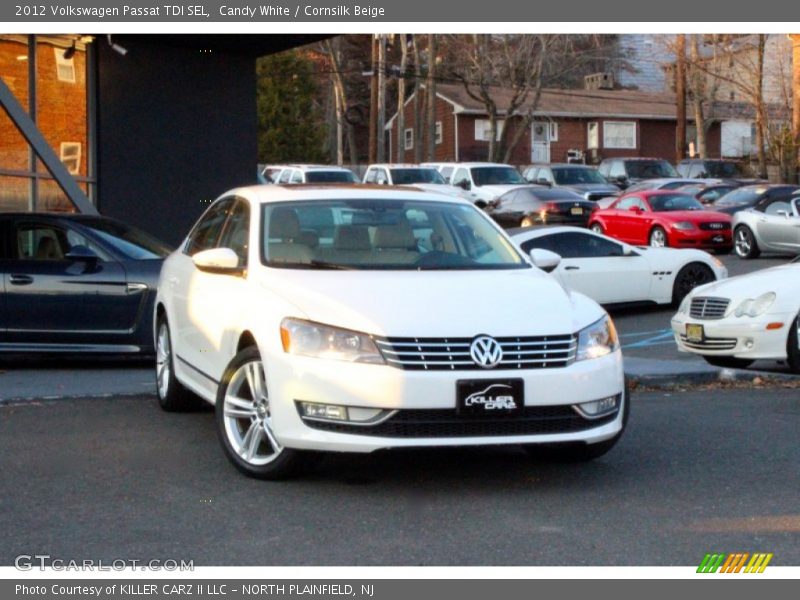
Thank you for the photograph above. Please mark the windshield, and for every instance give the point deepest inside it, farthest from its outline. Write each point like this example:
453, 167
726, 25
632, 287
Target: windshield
649, 169
745, 195
331, 177
408, 176
383, 234
723, 170
497, 176
128, 241
577, 176
670, 202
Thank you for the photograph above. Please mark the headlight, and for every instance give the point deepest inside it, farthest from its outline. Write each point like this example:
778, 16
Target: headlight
306, 338
598, 339
753, 307
683, 225
683, 309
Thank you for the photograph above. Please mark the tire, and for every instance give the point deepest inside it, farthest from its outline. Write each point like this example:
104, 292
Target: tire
576, 452
658, 238
172, 396
793, 346
744, 243
244, 421
728, 362
689, 277
597, 228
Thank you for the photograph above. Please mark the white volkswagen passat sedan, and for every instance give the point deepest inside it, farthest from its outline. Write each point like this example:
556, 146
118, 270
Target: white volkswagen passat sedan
362, 317
612, 272
734, 322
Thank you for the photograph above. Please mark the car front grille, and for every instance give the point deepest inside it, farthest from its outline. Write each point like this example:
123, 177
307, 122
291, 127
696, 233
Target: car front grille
715, 226
710, 343
446, 423
706, 307
453, 354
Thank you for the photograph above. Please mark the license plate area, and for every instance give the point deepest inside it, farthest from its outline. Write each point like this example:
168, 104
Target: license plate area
489, 398
694, 332
576, 211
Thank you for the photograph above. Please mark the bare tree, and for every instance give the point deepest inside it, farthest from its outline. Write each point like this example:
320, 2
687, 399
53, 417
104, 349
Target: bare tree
680, 96
401, 100
419, 122
484, 64
431, 99
332, 48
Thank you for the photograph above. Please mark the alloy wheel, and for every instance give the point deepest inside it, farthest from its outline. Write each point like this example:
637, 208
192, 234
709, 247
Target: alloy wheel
692, 276
163, 360
658, 239
248, 417
743, 242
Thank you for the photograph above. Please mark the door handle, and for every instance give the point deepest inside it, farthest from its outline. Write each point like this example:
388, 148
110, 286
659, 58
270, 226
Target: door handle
20, 279
572, 268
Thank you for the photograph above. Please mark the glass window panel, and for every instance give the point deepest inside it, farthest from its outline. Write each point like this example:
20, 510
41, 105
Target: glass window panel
15, 194
52, 198
15, 152
14, 65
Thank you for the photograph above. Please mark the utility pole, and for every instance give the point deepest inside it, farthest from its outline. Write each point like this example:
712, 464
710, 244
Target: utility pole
431, 96
373, 104
401, 102
381, 98
680, 96
795, 37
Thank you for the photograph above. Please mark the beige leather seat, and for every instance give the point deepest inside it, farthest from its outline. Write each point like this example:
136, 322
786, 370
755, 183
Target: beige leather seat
284, 238
396, 244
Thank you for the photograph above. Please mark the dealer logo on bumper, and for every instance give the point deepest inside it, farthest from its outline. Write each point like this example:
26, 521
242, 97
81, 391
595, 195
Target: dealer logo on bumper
486, 351
493, 397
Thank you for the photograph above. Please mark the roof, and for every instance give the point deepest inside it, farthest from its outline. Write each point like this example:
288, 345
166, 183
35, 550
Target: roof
572, 103
299, 191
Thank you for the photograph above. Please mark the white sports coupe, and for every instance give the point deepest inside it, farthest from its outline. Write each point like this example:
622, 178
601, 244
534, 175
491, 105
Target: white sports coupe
344, 318
612, 272
750, 317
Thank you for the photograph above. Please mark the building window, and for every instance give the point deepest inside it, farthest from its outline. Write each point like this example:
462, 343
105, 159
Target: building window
619, 134
553, 131
592, 137
438, 135
65, 67
70, 155
483, 131
408, 139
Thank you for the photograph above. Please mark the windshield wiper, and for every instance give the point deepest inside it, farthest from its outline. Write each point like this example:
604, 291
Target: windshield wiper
314, 264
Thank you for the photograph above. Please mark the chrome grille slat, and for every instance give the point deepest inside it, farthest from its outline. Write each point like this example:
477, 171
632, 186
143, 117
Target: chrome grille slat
708, 307
711, 343
432, 354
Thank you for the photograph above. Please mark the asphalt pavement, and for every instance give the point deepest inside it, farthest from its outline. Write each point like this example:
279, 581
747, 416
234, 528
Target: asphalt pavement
116, 478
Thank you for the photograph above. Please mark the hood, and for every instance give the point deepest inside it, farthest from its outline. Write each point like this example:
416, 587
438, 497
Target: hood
696, 216
436, 303
784, 280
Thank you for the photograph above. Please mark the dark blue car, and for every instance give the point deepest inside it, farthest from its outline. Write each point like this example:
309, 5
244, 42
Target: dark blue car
76, 283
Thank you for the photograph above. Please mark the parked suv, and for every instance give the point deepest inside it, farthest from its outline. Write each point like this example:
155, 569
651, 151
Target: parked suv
316, 174
717, 168
361, 340
483, 182
582, 179
627, 171
426, 178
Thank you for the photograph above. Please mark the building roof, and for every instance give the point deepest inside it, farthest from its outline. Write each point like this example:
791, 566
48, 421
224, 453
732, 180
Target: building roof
572, 103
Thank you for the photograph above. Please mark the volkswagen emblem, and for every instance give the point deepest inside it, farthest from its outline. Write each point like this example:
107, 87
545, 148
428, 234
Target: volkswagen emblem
485, 351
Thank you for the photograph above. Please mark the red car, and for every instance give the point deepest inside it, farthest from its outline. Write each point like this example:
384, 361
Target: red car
664, 218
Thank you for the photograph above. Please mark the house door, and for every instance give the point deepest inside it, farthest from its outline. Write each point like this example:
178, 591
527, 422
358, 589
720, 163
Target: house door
540, 142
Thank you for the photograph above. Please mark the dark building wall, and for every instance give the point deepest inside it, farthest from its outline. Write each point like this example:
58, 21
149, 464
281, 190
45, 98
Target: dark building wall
176, 127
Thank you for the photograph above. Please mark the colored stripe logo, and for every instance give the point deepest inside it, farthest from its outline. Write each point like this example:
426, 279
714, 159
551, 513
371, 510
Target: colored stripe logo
735, 563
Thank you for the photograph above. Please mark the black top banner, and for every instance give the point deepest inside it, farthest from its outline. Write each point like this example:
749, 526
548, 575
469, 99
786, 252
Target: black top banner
377, 11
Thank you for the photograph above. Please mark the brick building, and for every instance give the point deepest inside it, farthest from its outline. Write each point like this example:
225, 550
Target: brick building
600, 123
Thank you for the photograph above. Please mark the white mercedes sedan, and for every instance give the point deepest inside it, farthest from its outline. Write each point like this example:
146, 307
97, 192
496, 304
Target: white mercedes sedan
746, 318
356, 318
612, 272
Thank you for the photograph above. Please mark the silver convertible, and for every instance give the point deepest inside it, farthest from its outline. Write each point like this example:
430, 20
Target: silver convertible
772, 225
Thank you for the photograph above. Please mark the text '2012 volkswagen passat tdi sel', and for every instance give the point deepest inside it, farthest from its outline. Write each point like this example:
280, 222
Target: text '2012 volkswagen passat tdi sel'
360, 318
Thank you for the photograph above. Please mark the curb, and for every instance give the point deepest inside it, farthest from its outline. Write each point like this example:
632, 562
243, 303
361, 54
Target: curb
678, 380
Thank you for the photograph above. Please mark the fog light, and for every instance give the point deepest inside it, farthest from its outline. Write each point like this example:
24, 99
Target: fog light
748, 343
598, 408
330, 412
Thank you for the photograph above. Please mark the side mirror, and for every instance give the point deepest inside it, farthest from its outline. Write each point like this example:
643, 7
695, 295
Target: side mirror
635, 210
217, 260
545, 259
81, 254
628, 250
783, 213
542, 181
465, 185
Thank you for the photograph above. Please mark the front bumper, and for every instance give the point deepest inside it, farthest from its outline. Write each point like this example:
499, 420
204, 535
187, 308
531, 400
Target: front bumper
697, 238
293, 378
741, 337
